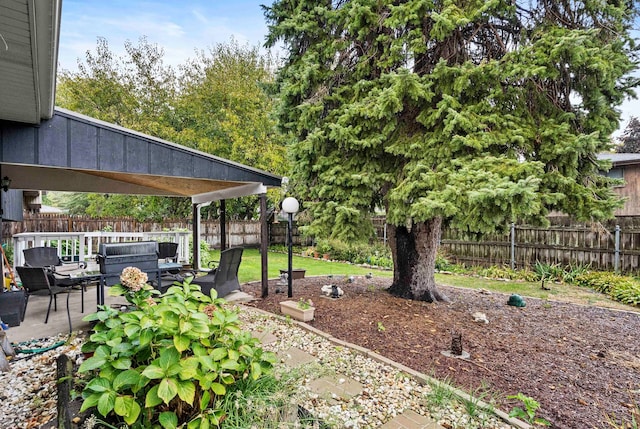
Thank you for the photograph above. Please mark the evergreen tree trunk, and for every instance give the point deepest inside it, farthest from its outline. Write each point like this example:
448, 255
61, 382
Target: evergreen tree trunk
414, 259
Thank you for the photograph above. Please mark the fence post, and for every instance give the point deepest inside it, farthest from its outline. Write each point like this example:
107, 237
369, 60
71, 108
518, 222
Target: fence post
513, 246
384, 240
616, 259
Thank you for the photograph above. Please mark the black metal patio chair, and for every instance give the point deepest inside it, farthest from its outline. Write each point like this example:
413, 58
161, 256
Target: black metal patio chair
168, 255
35, 281
47, 257
59, 272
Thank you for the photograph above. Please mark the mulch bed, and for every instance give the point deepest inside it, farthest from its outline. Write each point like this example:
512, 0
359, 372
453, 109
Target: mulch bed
581, 363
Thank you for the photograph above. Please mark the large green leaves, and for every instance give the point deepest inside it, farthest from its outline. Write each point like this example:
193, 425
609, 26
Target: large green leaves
169, 353
127, 407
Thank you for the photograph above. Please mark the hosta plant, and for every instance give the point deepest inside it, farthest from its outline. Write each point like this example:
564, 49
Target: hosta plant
169, 360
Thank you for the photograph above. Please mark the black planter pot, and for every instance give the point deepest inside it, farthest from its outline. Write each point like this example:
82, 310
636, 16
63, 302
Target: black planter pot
12, 306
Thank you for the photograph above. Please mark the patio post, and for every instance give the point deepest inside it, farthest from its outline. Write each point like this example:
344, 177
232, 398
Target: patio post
223, 225
1, 231
264, 245
196, 236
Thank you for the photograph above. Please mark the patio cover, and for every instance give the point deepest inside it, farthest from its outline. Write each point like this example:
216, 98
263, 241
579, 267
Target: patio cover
74, 152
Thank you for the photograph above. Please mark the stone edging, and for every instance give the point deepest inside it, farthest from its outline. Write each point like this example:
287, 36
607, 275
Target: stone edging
417, 376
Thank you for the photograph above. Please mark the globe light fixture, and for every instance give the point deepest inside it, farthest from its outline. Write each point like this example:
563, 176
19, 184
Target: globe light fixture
290, 206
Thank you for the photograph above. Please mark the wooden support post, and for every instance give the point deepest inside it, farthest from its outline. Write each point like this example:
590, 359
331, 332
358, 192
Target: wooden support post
264, 244
456, 344
223, 225
64, 376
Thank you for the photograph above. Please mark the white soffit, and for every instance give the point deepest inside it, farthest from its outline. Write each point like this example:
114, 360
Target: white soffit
234, 192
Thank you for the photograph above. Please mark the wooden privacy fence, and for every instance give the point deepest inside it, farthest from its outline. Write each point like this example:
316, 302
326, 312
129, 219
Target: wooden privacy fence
53, 222
239, 233
603, 249
613, 246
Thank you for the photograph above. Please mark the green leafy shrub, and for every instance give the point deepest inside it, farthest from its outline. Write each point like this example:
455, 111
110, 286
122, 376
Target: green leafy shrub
621, 288
598, 280
8, 252
500, 273
357, 253
323, 247
528, 414
626, 292
527, 275
339, 250
442, 264
381, 261
571, 272
548, 272
170, 360
265, 400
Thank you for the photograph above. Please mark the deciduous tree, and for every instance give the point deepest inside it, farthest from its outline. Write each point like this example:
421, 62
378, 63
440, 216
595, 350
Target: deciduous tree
214, 103
473, 114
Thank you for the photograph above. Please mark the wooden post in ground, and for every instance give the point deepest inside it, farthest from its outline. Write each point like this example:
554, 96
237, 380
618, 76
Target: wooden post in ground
64, 371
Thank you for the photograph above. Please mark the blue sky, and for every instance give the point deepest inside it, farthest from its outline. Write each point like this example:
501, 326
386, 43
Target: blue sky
180, 27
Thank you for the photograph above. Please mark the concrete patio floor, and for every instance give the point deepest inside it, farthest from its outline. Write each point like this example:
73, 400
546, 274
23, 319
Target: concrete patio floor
33, 325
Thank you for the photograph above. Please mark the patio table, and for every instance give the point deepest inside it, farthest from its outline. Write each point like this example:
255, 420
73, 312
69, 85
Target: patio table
85, 277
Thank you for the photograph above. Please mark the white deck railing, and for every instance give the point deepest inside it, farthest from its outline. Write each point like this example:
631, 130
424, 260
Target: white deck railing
83, 246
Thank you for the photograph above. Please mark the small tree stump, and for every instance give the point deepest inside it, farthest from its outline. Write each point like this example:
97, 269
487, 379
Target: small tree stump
456, 344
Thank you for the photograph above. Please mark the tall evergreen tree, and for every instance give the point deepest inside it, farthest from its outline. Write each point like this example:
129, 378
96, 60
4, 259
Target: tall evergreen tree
630, 138
468, 113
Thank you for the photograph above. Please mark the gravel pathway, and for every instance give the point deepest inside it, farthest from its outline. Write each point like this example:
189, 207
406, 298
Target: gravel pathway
387, 391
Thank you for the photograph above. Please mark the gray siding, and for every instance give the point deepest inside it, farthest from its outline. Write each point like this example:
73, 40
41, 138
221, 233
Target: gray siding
75, 141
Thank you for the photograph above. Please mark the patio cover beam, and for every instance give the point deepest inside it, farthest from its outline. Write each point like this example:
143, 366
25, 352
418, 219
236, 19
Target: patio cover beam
225, 194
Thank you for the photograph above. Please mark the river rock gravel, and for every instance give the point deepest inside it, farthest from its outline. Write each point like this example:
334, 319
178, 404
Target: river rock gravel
387, 391
28, 393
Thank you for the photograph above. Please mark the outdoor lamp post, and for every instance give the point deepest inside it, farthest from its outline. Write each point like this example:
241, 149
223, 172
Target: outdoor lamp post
290, 206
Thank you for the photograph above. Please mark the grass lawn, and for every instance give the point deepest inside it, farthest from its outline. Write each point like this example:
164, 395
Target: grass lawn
250, 267
250, 271
557, 292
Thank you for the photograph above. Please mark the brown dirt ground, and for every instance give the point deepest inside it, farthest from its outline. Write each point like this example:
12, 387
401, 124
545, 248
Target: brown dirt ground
581, 363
